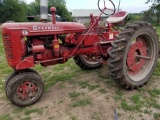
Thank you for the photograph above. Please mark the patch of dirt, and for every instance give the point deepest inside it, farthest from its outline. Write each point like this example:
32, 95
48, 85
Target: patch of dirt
56, 104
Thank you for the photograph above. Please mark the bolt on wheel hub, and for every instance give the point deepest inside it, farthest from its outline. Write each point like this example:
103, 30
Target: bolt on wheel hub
137, 57
27, 90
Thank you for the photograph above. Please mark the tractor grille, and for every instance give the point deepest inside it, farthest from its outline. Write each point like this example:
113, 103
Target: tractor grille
8, 46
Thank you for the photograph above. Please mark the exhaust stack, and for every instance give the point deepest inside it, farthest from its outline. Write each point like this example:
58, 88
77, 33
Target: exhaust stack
44, 10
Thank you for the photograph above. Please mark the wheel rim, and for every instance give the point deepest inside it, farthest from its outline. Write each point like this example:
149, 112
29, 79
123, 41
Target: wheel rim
89, 59
27, 91
140, 57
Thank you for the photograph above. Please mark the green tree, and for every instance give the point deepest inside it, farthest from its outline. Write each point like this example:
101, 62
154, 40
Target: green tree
56, 2
135, 17
61, 8
154, 1
34, 8
12, 10
53, 2
153, 14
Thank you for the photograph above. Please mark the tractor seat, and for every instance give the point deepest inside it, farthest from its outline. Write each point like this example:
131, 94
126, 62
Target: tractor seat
117, 17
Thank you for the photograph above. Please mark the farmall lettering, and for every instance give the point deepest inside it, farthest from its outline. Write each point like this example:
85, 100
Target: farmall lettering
47, 27
130, 54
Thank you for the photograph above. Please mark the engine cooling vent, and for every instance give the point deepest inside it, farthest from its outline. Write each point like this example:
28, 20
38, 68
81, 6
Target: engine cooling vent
8, 46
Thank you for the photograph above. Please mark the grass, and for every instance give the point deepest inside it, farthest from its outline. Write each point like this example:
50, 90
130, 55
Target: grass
128, 107
18, 110
147, 112
136, 99
152, 102
73, 118
5, 117
156, 116
55, 78
81, 103
118, 95
26, 118
96, 116
75, 94
154, 92
158, 29
156, 71
103, 91
30, 111
51, 118
85, 84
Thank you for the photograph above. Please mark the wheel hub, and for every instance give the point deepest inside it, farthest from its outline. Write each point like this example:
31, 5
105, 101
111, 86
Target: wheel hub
27, 90
136, 57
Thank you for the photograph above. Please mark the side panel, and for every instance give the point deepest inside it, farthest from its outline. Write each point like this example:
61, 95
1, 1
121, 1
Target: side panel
14, 47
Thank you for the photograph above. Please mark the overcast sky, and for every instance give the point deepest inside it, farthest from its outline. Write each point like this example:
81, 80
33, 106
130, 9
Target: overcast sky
131, 6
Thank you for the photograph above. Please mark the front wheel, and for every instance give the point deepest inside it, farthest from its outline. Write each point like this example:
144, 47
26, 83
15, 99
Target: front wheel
25, 89
15, 73
134, 55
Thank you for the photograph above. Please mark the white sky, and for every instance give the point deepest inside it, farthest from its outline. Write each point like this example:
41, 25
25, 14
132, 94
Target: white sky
131, 6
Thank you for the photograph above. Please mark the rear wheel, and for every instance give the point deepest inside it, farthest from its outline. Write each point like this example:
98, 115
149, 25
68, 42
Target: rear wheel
134, 55
25, 89
86, 62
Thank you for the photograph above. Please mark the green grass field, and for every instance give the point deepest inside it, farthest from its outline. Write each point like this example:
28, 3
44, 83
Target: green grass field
141, 103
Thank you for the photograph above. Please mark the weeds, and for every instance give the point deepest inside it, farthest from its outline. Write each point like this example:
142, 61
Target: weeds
103, 91
5, 117
75, 94
26, 118
154, 92
54, 79
147, 112
118, 95
18, 110
156, 116
30, 111
85, 84
157, 69
81, 103
134, 107
73, 118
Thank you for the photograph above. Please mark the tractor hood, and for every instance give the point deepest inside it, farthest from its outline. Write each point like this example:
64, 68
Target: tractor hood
39, 28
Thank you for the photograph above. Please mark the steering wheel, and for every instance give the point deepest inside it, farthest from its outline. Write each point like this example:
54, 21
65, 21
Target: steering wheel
102, 10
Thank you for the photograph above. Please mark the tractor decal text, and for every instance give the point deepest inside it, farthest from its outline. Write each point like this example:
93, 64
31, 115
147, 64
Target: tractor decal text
48, 27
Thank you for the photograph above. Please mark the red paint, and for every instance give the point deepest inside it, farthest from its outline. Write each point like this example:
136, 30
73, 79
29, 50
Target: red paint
38, 49
26, 89
47, 58
56, 47
119, 14
27, 44
134, 63
53, 11
28, 62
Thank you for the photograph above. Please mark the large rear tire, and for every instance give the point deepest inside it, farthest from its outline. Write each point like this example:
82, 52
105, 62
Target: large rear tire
86, 63
134, 55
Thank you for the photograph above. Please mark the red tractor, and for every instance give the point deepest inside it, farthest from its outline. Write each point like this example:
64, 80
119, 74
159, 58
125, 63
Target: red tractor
131, 53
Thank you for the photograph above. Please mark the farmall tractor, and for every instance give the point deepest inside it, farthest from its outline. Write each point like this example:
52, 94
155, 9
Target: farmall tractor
131, 53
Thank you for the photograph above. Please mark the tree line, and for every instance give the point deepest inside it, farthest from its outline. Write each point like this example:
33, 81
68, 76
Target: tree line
153, 14
18, 10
